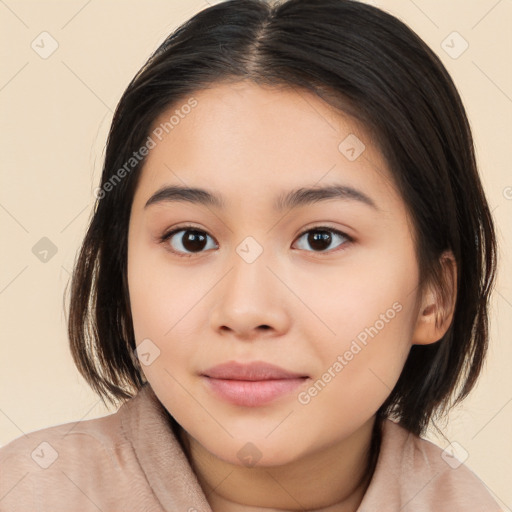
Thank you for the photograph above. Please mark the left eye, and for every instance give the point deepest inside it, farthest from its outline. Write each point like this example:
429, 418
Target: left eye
321, 238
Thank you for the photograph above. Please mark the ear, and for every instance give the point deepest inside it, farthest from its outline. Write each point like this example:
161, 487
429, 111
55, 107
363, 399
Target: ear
437, 306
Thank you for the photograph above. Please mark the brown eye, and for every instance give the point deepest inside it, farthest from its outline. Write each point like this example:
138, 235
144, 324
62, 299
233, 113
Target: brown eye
320, 239
190, 241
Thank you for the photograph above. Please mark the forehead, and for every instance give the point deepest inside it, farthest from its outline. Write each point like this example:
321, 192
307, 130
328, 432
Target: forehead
246, 140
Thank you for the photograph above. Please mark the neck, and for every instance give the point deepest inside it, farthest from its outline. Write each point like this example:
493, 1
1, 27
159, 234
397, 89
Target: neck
332, 480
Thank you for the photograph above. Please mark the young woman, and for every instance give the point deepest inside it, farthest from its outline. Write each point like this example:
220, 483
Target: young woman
285, 279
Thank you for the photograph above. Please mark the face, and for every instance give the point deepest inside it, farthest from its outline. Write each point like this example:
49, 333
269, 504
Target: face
324, 289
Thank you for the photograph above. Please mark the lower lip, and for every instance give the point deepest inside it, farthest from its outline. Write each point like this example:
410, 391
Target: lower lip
252, 393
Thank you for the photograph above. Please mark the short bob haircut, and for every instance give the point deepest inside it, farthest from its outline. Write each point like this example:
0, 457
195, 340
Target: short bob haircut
363, 62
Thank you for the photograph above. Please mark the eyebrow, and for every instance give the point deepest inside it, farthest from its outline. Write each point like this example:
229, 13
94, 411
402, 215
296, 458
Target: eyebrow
302, 196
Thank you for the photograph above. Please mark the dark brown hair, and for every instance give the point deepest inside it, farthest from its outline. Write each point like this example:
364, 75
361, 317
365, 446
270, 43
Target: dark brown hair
365, 63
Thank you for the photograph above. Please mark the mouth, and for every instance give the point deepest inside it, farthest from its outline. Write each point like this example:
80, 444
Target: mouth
251, 385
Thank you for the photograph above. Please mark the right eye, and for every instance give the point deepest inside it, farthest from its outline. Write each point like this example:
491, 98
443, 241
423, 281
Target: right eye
191, 239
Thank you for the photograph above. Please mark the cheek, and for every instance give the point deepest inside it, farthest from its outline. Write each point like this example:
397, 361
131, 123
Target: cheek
357, 376
161, 295
166, 305
371, 316
160, 314
371, 297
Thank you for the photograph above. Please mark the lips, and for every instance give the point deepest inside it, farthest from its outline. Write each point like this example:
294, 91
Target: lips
251, 385
252, 371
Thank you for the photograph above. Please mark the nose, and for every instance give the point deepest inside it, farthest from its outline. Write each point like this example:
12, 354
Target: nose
250, 301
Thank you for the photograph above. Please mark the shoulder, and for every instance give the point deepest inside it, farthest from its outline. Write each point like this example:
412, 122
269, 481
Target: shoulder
42, 447
423, 477
70, 458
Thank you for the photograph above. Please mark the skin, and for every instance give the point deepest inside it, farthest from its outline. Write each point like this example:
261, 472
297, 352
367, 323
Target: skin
250, 144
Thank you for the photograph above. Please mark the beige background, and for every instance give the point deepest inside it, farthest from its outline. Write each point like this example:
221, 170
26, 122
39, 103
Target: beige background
55, 116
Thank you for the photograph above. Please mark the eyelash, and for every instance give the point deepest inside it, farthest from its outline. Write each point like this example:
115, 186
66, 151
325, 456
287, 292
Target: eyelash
166, 236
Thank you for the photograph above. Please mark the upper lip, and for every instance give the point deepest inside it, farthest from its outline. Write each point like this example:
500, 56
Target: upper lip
257, 370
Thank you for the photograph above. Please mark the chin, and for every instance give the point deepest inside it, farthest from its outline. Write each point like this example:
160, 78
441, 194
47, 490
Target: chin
256, 453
